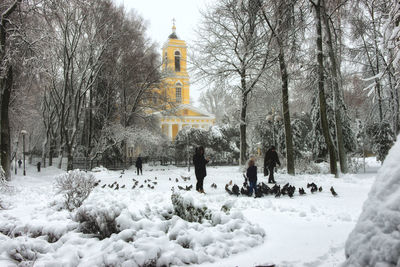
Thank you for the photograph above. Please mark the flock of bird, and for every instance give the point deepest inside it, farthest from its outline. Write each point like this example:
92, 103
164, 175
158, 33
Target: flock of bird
232, 189
150, 183
116, 186
276, 190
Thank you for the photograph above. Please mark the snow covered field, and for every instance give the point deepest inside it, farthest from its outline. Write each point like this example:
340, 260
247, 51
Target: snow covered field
308, 230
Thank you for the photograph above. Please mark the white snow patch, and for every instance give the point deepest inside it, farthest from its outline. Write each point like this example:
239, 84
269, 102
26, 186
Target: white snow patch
375, 241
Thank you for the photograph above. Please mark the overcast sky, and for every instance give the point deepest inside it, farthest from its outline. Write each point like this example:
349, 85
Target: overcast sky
159, 14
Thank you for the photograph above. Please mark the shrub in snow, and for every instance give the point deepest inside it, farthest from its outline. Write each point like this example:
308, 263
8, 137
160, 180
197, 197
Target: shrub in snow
381, 137
185, 208
354, 164
26, 251
98, 216
375, 240
2, 175
76, 186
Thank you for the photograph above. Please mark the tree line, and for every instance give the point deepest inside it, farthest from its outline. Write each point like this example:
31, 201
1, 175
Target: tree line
77, 75
309, 76
331, 64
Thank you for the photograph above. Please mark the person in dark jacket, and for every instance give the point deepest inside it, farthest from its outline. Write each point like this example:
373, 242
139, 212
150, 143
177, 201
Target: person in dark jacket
19, 163
251, 174
270, 161
139, 165
38, 166
199, 163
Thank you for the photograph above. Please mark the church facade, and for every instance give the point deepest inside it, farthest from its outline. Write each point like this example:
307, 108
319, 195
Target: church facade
176, 86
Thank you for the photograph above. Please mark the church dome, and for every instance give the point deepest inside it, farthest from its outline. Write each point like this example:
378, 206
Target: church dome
173, 34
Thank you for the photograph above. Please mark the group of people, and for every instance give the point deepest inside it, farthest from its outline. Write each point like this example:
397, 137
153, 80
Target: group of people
271, 159
38, 165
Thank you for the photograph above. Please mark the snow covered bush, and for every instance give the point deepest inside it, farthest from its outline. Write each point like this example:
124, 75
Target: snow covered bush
2, 184
76, 186
185, 208
4, 187
98, 216
375, 240
381, 137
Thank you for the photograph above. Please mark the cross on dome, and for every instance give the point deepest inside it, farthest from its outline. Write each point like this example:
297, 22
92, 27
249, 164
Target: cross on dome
173, 34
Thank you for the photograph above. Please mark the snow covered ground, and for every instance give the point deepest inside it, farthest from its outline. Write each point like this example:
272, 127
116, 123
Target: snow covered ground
309, 230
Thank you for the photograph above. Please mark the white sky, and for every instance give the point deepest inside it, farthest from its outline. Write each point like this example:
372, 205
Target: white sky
159, 14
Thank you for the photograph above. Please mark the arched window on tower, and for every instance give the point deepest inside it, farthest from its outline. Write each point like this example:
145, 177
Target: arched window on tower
177, 61
178, 92
165, 60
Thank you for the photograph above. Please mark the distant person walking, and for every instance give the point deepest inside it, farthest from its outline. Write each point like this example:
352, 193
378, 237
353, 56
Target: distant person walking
251, 174
200, 168
139, 165
38, 166
270, 161
19, 163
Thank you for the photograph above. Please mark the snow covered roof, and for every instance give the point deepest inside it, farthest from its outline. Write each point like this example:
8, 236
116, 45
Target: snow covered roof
171, 112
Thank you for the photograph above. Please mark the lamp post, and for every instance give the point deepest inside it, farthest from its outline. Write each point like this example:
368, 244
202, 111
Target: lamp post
23, 132
16, 153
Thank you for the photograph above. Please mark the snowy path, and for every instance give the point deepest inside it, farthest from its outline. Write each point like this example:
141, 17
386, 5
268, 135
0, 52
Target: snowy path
307, 230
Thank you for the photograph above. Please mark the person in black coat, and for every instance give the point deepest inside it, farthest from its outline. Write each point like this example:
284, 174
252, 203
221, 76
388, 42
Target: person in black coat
199, 163
270, 161
251, 174
139, 165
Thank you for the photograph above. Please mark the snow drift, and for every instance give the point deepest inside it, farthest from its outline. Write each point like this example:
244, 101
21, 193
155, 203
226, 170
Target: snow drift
375, 240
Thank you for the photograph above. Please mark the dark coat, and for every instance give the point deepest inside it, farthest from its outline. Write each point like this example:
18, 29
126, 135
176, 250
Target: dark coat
252, 174
199, 163
271, 159
138, 162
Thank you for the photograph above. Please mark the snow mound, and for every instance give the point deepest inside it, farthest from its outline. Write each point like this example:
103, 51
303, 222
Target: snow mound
112, 229
97, 215
375, 240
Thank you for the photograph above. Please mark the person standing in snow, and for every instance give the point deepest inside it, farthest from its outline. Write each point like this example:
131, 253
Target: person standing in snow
139, 165
200, 168
270, 160
251, 174
19, 163
38, 166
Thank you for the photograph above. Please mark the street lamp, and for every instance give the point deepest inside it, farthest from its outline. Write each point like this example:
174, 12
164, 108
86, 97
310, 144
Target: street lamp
23, 132
16, 153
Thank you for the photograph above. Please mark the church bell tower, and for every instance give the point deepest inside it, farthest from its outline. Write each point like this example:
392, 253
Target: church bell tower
174, 65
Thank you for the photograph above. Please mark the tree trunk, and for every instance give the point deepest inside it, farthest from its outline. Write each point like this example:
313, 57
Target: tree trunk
70, 158
243, 142
5, 87
60, 157
44, 145
336, 94
286, 113
51, 151
322, 99
30, 159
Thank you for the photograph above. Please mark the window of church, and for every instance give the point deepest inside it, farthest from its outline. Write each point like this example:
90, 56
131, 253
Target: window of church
178, 94
177, 61
165, 60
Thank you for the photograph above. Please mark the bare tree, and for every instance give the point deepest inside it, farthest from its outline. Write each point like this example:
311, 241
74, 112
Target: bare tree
338, 102
282, 22
6, 82
318, 6
233, 44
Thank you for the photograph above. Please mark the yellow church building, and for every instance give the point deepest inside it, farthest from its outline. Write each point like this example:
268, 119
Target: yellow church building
176, 86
